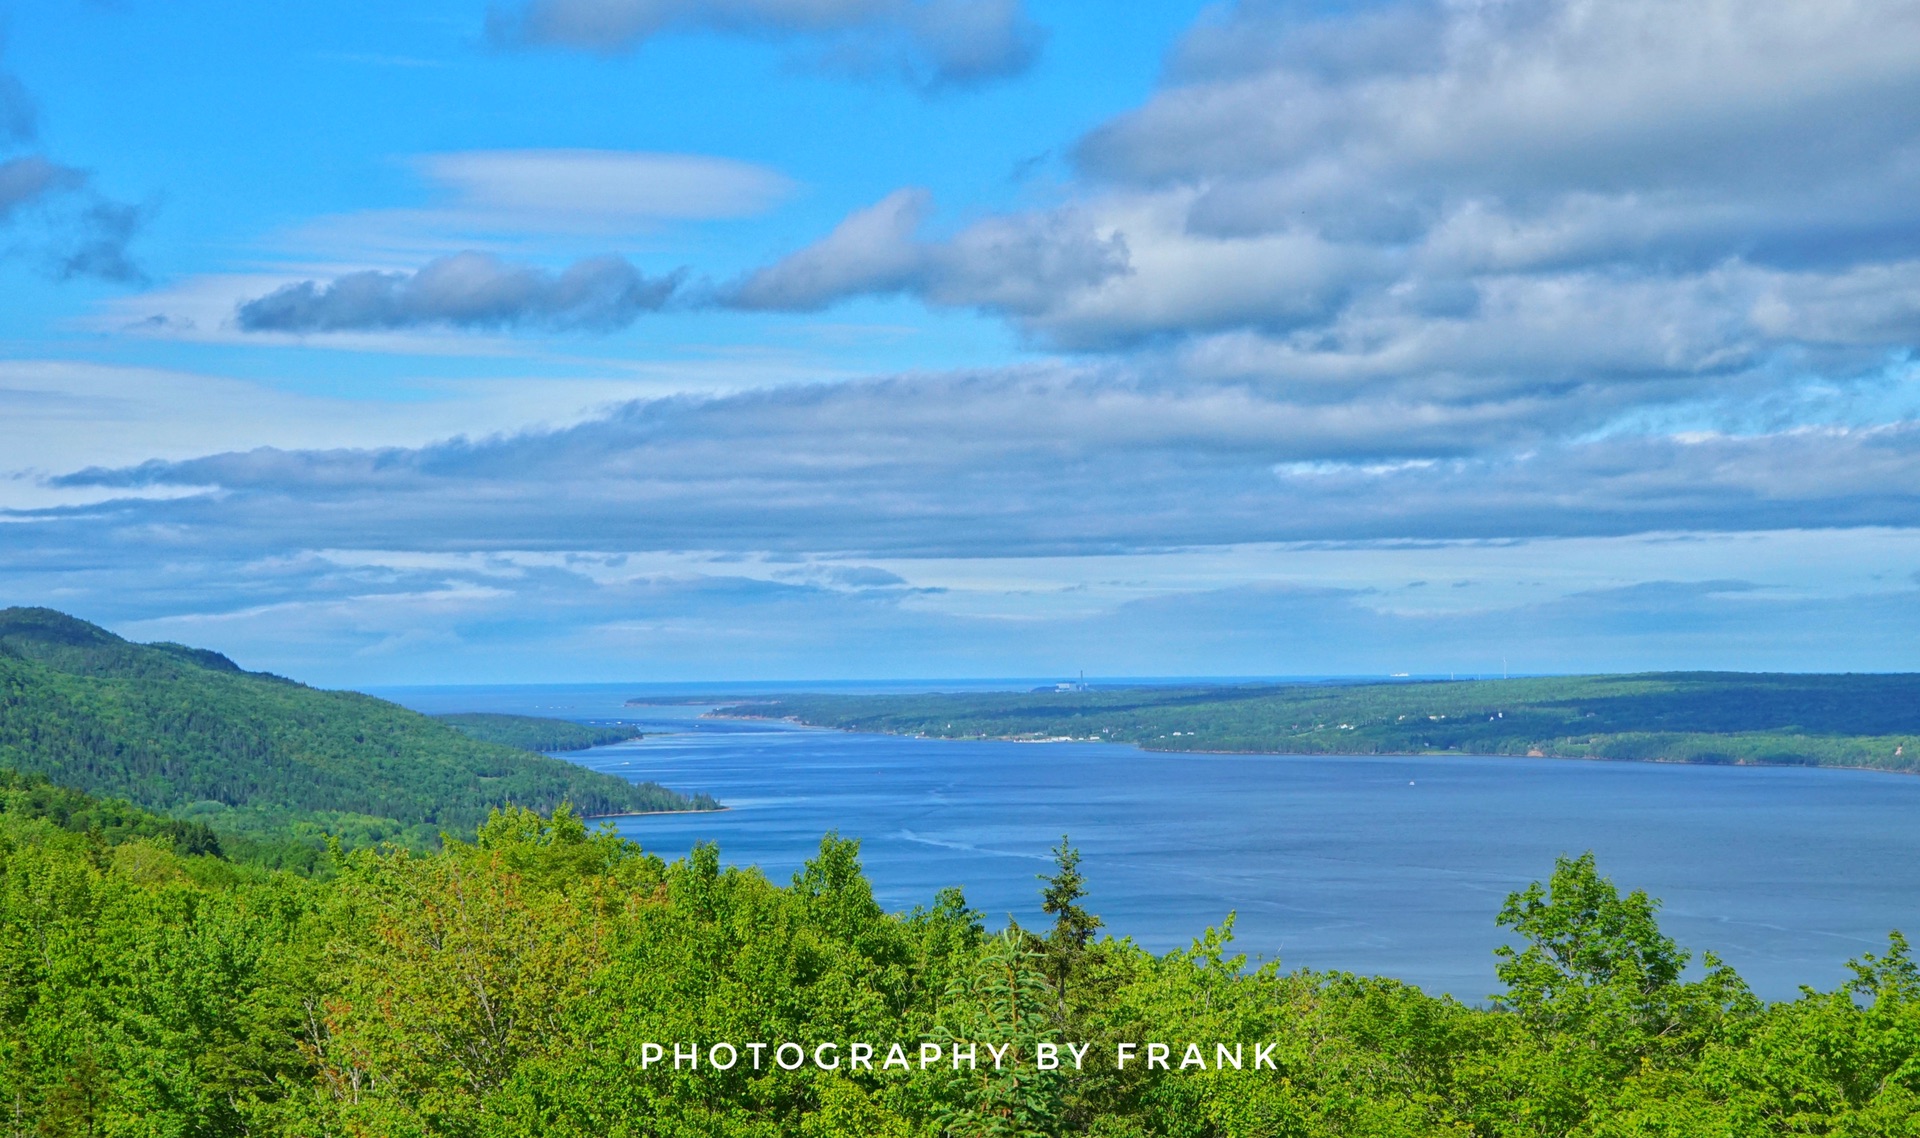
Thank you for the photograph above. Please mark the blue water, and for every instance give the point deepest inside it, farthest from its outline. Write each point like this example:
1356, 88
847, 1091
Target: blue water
1393, 866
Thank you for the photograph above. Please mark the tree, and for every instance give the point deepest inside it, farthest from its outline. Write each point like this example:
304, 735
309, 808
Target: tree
1600, 987
999, 1002
1583, 934
1073, 926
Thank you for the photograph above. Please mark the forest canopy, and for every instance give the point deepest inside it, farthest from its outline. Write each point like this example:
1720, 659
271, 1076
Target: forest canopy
514, 984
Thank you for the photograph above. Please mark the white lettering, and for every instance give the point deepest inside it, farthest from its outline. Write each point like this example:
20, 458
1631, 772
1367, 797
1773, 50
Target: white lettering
1048, 1056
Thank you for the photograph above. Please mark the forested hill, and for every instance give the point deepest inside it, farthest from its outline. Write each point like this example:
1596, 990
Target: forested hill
188, 732
1702, 717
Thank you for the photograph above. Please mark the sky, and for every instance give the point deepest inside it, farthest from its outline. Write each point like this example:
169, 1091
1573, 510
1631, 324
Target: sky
447, 341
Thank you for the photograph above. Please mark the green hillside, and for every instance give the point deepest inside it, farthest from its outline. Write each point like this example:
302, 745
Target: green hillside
1699, 717
187, 732
533, 733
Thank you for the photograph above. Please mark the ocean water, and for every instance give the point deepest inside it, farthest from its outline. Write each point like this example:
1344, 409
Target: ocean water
1389, 866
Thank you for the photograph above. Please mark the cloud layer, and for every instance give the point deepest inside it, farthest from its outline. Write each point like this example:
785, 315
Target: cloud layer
799, 531
930, 42
1012, 465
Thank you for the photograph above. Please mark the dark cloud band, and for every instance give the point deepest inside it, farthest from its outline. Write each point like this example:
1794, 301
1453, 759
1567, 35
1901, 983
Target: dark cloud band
466, 290
931, 42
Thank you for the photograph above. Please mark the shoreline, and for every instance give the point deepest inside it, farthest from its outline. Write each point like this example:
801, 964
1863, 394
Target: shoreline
1318, 754
651, 813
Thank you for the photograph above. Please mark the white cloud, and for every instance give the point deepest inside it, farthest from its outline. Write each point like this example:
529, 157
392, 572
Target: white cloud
1459, 198
600, 189
1538, 96
1012, 264
872, 251
403, 279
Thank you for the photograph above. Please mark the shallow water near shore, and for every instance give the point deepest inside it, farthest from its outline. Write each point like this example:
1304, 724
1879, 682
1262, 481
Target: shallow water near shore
1393, 866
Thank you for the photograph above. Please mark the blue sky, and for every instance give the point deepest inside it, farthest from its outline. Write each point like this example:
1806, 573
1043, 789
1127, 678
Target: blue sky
729, 339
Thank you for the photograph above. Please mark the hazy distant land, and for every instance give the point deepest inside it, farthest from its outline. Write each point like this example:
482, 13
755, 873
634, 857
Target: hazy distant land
1870, 721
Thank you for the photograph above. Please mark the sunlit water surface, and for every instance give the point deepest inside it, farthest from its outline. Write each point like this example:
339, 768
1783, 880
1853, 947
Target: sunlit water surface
1394, 866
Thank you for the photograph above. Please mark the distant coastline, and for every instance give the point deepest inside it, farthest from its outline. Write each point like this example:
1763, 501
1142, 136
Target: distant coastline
1065, 739
1858, 722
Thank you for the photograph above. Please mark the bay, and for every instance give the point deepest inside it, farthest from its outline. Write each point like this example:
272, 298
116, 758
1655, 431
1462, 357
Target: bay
1391, 865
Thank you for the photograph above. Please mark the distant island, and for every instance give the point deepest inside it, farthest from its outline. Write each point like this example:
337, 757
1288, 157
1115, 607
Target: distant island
1869, 721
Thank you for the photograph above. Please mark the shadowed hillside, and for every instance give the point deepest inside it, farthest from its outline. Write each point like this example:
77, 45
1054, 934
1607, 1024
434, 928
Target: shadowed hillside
188, 732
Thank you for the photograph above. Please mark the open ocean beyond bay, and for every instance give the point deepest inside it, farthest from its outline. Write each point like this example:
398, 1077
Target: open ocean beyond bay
1392, 866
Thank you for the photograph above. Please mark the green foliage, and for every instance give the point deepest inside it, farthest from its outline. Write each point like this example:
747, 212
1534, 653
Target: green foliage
1582, 935
531, 733
1695, 717
269, 764
1002, 1001
1600, 989
512, 985
105, 821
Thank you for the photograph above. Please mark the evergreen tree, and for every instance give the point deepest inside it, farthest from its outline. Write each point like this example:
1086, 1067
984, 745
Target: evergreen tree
1073, 926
